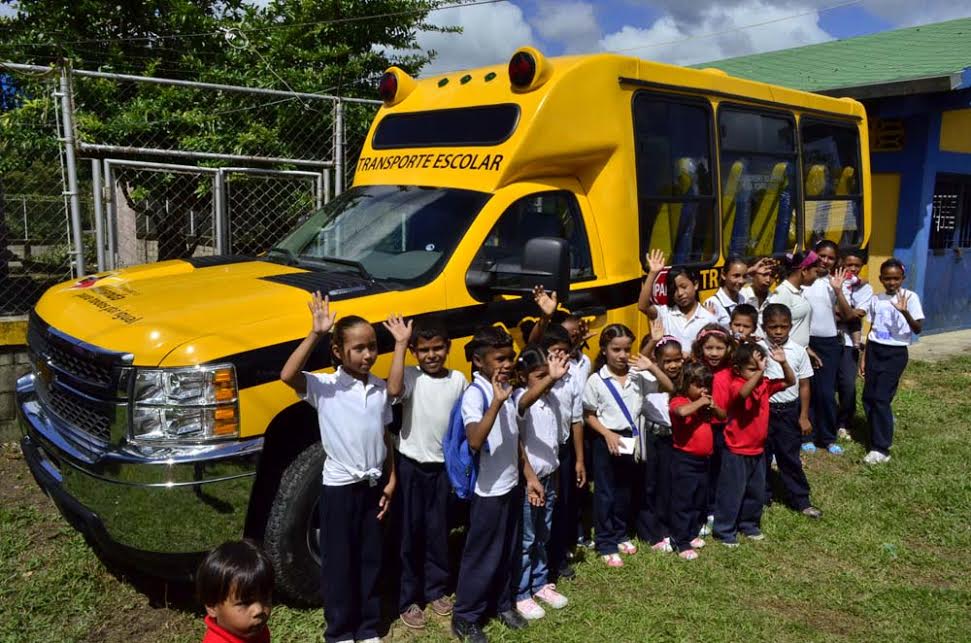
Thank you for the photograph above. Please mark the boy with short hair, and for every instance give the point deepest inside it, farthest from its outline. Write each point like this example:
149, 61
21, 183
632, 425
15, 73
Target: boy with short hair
235, 584
492, 548
788, 412
427, 393
744, 322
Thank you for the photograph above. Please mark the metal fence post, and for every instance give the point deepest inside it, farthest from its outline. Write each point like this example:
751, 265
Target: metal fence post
111, 213
67, 118
326, 186
99, 230
338, 147
219, 211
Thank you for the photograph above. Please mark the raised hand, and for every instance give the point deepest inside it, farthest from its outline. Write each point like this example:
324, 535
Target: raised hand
710, 307
558, 364
760, 360
321, 314
583, 332
546, 301
640, 362
500, 391
837, 278
900, 301
777, 353
655, 260
399, 329
657, 328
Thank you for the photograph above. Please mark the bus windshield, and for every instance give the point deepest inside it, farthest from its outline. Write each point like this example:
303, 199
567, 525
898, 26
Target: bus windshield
393, 232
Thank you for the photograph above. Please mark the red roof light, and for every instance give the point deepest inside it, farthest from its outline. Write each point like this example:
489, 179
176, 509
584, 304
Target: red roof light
522, 69
388, 87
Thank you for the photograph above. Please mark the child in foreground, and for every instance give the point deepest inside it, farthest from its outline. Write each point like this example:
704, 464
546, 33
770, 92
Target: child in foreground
353, 411
235, 584
427, 393
745, 398
542, 422
691, 424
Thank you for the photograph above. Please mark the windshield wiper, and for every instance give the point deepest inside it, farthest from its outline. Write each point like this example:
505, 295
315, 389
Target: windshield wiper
357, 265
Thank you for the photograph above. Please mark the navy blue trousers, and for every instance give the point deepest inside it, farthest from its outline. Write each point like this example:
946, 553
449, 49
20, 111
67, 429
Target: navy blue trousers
566, 511
714, 468
423, 490
613, 477
492, 557
689, 497
350, 549
884, 366
785, 440
846, 387
654, 516
823, 387
741, 496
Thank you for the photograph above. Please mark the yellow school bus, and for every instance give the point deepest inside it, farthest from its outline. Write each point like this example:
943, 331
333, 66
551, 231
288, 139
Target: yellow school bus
155, 416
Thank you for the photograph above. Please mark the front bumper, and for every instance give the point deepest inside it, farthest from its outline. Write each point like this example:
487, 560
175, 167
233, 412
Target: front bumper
149, 507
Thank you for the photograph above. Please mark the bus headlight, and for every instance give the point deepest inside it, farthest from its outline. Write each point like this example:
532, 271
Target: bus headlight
185, 404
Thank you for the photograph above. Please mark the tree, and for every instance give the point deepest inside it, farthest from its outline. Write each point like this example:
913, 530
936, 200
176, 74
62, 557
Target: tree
325, 46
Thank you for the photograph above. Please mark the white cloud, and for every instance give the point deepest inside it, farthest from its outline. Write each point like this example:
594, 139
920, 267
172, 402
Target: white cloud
571, 24
717, 33
907, 13
490, 33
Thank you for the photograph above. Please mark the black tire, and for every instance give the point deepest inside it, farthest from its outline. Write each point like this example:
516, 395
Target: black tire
293, 527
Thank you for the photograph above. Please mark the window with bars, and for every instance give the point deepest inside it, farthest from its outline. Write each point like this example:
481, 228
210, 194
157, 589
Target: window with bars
951, 212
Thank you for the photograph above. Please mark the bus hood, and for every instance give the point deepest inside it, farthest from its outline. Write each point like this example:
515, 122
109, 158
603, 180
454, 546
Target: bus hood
173, 313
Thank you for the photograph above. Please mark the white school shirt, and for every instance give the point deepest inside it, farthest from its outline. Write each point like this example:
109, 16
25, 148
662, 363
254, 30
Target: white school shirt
682, 328
426, 403
539, 429
499, 456
598, 398
352, 416
724, 305
822, 298
800, 364
655, 407
581, 369
887, 324
859, 299
790, 296
568, 394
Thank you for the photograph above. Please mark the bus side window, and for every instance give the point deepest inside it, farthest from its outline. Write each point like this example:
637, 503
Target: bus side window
758, 170
676, 202
831, 161
545, 214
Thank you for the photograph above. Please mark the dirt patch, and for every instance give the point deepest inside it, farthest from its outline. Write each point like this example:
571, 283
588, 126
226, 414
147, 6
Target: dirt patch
818, 617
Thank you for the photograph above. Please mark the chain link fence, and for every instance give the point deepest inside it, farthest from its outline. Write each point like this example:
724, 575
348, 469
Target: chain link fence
165, 169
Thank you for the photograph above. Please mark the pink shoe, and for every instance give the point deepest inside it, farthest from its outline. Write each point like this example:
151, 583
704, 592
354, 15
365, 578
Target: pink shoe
529, 610
551, 597
627, 547
688, 554
697, 543
613, 560
663, 546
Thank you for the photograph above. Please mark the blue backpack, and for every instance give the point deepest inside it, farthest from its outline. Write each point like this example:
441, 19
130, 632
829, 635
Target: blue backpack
461, 464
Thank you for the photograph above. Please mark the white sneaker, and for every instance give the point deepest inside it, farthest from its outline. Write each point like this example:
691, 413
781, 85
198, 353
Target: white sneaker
875, 457
373, 639
663, 546
529, 610
706, 528
551, 597
842, 434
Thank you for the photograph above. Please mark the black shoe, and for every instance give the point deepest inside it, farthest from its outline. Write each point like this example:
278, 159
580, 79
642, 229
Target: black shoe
566, 572
513, 620
470, 632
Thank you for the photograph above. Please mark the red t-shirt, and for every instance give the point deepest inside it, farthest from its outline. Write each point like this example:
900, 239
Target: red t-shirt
692, 433
748, 419
721, 377
216, 634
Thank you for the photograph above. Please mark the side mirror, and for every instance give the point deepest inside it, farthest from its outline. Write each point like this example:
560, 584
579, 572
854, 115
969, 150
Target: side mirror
546, 262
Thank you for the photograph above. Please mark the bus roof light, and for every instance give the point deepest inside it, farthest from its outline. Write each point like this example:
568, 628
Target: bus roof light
522, 69
388, 87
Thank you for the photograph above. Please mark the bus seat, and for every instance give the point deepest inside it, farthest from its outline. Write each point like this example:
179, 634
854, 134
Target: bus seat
817, 180
763, 223
730, 202
686, 172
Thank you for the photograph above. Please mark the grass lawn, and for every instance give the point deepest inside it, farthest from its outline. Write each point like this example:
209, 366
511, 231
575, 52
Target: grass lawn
889, 561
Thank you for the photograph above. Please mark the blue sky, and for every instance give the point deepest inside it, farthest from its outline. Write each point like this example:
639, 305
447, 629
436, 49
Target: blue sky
677, 31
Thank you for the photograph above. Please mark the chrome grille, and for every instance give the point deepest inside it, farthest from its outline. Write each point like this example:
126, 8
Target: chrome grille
63, 358
90, 417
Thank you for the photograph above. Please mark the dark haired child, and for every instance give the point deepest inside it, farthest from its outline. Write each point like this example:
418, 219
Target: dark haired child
744, 322
427, 393
693, 443
541, 423
492, 546
895, 317
353, 411
654, 516
568, 392
858, 294
235, 584
612, 404
788, 413
761, 275
683, 317
713, 348
732, 278
800, 271
745, 397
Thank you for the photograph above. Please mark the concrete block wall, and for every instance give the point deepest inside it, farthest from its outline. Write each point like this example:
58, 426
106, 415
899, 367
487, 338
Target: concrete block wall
13, 364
